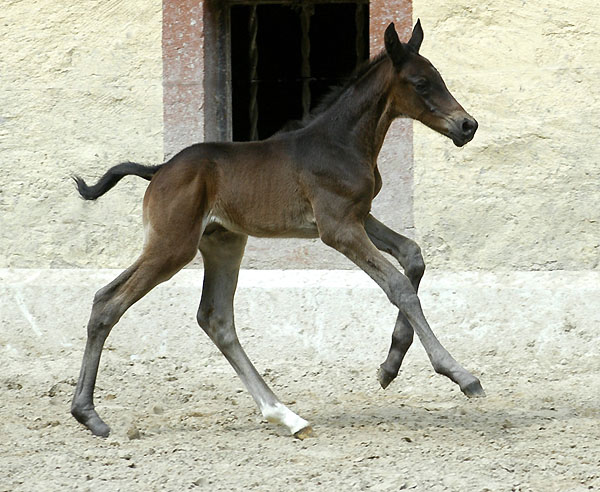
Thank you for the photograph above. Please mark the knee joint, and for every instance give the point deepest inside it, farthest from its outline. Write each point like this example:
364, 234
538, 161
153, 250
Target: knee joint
415, 267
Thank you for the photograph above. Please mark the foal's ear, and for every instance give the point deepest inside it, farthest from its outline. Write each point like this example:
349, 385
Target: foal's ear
417, 37
395, 49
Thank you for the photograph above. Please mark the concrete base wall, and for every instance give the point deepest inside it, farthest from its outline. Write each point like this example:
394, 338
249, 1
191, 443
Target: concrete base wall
310, 316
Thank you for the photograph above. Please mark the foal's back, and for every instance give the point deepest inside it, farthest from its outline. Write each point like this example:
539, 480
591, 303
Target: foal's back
253, 188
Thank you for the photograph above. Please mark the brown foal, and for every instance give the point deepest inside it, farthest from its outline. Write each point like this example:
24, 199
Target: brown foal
317, 178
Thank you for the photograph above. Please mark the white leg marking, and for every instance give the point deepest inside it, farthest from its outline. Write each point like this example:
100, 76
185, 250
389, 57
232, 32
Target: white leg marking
280, 414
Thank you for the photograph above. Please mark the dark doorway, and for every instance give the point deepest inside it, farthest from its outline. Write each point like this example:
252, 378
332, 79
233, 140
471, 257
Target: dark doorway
286, 56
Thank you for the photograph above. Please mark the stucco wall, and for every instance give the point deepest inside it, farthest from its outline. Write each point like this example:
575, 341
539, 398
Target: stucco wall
81, 90
525, 194
81, 87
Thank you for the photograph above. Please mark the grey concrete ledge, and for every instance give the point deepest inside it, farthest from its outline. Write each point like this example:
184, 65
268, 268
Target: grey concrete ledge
554, 316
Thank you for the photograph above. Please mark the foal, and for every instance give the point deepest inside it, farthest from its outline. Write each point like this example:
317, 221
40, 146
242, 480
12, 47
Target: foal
316, 180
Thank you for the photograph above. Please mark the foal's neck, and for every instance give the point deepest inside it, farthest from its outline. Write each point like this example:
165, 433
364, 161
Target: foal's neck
364, 111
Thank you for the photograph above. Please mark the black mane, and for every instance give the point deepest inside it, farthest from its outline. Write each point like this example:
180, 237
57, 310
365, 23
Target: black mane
333, 95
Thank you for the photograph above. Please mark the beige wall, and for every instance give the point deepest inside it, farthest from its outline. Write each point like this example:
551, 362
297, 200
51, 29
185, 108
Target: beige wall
81, 89
525, 194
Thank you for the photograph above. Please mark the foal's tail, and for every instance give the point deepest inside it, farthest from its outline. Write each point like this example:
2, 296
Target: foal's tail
112, 177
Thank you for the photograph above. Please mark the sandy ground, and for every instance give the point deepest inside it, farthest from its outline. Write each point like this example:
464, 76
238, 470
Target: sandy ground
181, 419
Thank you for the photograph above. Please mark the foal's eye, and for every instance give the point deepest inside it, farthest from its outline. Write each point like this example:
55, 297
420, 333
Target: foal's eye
421, 86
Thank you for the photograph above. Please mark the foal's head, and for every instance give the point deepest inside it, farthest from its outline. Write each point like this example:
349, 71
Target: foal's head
420, 93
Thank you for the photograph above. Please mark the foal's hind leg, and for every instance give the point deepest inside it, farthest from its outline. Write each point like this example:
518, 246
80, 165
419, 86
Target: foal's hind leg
110, 303
408, 254
174, 209
222, 252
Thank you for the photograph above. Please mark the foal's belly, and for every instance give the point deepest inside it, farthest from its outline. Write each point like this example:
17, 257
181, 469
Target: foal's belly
295, 226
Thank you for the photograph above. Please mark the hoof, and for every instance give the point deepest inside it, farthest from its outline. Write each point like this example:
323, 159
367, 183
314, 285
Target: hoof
304, 433
473, 390
99, 429
93, 422
385, 377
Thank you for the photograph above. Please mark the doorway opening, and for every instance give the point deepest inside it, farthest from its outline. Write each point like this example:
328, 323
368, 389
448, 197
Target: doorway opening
286, 56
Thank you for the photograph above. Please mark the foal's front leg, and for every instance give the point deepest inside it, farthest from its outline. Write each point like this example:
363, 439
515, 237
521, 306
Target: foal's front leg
408, 254
350, 238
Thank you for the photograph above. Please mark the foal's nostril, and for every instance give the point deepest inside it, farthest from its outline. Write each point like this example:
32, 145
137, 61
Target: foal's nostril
469, 127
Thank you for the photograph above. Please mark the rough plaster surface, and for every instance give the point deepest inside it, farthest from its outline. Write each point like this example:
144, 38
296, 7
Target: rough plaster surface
81, 88
182, 420
525, 194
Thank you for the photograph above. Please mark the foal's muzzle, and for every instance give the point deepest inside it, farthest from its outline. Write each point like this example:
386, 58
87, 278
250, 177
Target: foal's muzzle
463, 130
